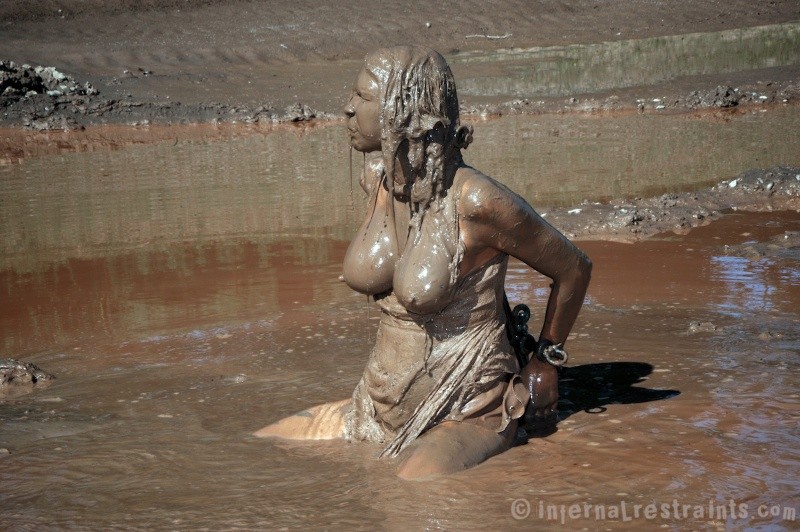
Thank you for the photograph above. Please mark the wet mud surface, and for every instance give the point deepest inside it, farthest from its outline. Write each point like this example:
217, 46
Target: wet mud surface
157, 392
181, 313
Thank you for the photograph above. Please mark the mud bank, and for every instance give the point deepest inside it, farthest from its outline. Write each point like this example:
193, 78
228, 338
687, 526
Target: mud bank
43, 98
234, 61
772, 189
664, 99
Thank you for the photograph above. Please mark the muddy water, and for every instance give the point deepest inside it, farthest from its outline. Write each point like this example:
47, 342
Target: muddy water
563, 160
185, 293
201, 184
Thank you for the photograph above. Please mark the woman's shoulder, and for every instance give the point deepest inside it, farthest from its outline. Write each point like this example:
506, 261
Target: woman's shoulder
479, 195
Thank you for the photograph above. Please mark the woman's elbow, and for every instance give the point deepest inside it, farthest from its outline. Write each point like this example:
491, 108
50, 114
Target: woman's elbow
575, 277
583, 272
587, 267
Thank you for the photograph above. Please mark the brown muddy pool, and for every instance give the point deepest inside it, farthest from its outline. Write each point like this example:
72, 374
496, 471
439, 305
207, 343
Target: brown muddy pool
182, 285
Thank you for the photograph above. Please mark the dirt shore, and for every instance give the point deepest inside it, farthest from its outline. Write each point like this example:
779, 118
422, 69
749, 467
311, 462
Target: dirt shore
171, 61
758, 190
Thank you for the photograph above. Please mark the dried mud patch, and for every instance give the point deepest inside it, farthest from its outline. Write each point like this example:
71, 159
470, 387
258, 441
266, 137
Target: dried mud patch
776, 188
43, 98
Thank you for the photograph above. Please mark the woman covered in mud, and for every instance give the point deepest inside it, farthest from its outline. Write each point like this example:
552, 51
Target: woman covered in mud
443, 389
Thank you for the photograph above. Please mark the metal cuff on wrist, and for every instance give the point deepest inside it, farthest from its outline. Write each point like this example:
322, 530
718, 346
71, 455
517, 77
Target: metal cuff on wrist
551, 353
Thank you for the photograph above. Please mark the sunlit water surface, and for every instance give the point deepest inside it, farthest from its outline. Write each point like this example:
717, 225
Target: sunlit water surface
185, 293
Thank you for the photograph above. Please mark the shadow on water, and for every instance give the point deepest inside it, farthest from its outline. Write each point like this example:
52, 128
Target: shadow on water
591, 387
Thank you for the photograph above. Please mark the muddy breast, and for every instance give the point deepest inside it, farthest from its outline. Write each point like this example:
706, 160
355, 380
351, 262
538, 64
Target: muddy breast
428, 268
369, 263
424, 274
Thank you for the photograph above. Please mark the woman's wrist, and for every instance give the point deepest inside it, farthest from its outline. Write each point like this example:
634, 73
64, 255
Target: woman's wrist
550, 352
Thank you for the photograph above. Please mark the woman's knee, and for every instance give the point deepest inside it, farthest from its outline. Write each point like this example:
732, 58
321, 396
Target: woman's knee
449, 448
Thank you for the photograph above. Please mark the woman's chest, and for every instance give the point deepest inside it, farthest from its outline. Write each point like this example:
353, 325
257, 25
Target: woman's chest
413, 254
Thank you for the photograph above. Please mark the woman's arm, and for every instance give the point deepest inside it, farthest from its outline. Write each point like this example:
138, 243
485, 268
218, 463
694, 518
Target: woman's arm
494, 219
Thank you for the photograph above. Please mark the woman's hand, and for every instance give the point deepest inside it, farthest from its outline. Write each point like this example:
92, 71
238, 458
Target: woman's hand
541, 380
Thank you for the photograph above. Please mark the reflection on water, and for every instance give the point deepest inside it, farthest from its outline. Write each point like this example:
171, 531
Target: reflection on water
294, 182
134, 292
185, 294
152, 196
563, 160
576, 69
749, 290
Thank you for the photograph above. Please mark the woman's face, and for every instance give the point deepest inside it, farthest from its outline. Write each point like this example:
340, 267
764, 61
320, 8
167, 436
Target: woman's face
363, 113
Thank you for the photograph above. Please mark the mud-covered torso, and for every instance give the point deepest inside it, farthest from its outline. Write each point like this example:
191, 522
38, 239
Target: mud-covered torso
454, 365
414, 255
441, 351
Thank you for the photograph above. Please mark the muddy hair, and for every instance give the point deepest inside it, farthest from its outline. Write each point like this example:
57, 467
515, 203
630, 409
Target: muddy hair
419, 115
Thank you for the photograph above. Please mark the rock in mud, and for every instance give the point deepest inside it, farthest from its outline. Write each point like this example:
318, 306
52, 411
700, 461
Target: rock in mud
24, 81
721, 97
42, 97
785, 246
725, 97
21, 377
299, 113
700, 327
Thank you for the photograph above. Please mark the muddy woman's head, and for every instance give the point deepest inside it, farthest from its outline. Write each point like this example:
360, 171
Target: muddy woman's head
405, 104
